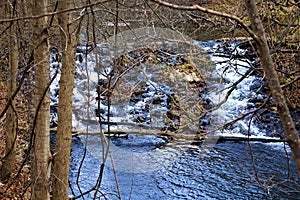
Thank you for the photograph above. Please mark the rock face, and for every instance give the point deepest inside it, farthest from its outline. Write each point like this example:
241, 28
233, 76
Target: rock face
161, 89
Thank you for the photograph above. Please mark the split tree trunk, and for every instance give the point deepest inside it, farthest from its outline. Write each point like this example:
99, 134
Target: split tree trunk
273, 81
41, 149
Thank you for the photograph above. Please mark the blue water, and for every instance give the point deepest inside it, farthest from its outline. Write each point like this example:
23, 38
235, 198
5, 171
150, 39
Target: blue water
226, 172
150, 169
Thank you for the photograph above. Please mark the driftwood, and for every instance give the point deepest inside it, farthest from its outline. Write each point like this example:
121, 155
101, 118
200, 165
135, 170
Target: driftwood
176, 136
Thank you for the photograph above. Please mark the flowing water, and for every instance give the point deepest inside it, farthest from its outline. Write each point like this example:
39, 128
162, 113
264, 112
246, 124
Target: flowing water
148, 167
225, 173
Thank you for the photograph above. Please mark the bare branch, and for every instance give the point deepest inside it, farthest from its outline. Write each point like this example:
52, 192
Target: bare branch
54, 13
284, 34
291, 82
209, 11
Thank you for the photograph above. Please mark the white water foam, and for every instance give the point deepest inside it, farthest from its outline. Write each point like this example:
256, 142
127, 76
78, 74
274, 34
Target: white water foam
225, 73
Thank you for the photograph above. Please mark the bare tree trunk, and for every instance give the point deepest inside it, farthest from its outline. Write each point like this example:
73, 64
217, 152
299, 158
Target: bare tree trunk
41, 149
9, 160
273, 81
28, 85
69, 37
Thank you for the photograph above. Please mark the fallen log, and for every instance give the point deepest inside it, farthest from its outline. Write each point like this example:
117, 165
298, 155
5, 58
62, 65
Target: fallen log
177, 136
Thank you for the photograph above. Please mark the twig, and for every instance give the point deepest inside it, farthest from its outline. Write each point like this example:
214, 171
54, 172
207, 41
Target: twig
291, 82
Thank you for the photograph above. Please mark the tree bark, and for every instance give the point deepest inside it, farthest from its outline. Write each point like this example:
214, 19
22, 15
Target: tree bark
69, 37
273, 81
11, 135
41, 148
27, 49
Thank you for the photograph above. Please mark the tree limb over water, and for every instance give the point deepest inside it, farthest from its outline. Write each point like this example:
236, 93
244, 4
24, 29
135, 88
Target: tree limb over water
176, 136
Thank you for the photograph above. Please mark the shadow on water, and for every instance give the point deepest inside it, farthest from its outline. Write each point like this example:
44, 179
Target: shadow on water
226, 172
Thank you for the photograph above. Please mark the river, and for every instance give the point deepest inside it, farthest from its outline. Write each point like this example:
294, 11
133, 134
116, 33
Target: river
148, 167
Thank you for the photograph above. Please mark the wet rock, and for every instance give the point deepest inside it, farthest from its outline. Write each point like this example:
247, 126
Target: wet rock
141, 119
141, 90
136, 98
255, 85
204, 121
173, 116
140, 94
99, 112
157, 100
208, 104
257, 99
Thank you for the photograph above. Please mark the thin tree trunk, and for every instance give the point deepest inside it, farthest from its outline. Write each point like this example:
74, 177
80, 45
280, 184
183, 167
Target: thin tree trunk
9, 160
41, 149
273, 81
28, 82
64, 129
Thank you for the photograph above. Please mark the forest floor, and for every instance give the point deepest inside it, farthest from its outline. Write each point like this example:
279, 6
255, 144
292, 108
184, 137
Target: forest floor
18, 187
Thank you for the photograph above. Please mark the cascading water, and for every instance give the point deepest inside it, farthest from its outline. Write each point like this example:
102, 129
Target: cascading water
229, 71
215, 171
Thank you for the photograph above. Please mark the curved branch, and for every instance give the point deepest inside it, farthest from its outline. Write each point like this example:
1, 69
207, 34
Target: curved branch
209, 11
